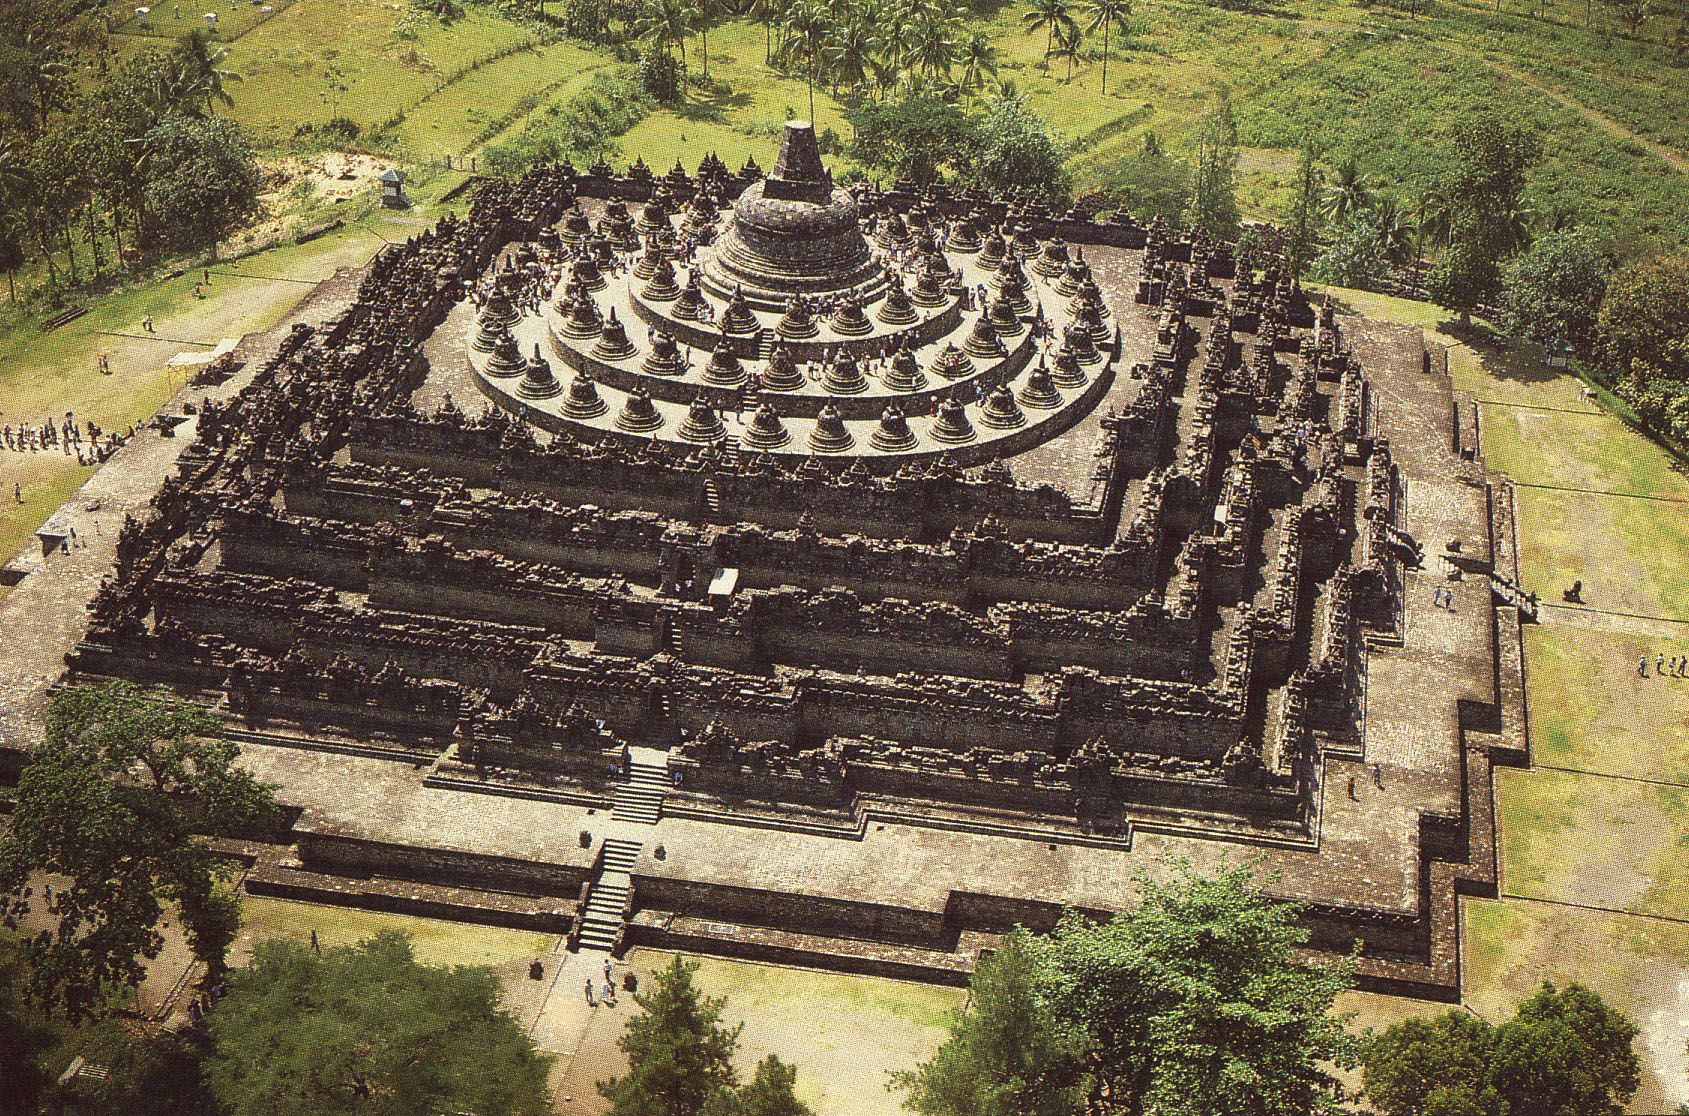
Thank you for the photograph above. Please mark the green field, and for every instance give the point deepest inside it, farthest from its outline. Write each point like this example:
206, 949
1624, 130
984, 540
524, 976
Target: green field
1370, 82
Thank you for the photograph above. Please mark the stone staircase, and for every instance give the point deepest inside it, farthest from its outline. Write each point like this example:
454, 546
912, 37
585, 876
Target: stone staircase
1514, 594
608, 900
638, 801
639, 798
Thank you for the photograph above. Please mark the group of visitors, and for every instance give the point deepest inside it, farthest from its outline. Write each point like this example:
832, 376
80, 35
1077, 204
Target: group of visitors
90, 444
607, 996
1675, 667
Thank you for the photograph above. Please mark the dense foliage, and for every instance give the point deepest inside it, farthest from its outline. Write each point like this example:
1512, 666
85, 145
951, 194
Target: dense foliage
679, 1054
1564, 1053
1553, 290
1642, 340
140, 154
369, 1029
110, 800
1193, 1003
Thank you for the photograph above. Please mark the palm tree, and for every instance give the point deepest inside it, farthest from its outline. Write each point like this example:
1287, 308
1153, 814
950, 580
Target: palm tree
665, 22
703, 12
200, 74
979, 61
852, 52
1395, 232
933, 48
1519, 221
1349, 194
808, 28
1104, 15
1068, 41
770, 12
1050, 15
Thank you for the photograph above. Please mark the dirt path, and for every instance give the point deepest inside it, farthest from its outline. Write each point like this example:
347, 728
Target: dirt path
1606, 123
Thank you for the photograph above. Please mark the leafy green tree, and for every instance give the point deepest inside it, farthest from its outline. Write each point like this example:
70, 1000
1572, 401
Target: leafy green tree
204, 178
22, 1039
679, 1054
1564, 1053
1353, 257
1009, 1054
920, 137
1484, 189
1048, 16
1435, 1067
1018, 151
111, 799
35, 63
1149, 182
1553, 290
1195, 1003
1213, 196
772, 1092
1642, 329
369, 1029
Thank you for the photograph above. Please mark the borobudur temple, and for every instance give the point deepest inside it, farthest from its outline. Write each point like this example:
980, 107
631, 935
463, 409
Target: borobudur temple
748, 564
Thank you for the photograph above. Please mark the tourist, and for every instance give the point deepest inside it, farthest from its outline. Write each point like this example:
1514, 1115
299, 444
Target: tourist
1659, 664
1642, 667
146, 323
609, 971
591, 1001
17, 492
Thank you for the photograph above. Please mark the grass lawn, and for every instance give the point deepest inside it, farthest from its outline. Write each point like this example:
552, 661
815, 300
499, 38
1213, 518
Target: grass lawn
454, 119
283, 62
44, 375
1640, 966
436, 942
1639, 728
844, 1033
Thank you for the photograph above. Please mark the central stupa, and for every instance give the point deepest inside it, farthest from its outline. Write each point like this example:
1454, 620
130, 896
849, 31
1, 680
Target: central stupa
795, 232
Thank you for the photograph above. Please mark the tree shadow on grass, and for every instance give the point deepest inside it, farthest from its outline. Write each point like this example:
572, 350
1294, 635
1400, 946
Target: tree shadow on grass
712, 106
1518, 362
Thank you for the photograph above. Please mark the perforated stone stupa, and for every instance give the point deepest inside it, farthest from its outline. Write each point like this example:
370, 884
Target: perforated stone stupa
795, 232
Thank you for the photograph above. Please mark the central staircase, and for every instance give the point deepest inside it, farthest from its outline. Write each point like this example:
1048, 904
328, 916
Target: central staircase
638, 801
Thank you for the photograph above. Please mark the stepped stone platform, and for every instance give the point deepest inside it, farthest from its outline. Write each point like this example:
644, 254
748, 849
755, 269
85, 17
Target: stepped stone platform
1081, 545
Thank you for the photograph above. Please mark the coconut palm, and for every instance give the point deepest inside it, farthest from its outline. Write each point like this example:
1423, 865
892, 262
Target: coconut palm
703, 12
979, 62
808, 29
932, 47
663, 23
200, 78
1106, 14
1067, 43
1394, 230
1048, 16
771, 12
852, 52
1348, 195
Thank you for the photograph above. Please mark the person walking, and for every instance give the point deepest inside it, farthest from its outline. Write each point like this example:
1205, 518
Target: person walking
591, 1001
1642, 667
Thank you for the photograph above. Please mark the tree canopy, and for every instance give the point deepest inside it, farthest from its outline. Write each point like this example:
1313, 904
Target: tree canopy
1010, 1054
1193, 1003
1484, 193
1553, 290
111, 799
918, 137
1564, 1053
679, 1054
369, 1029
1019, 153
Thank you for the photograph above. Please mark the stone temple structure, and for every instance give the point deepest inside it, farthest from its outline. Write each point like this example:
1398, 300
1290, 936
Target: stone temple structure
740, 563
